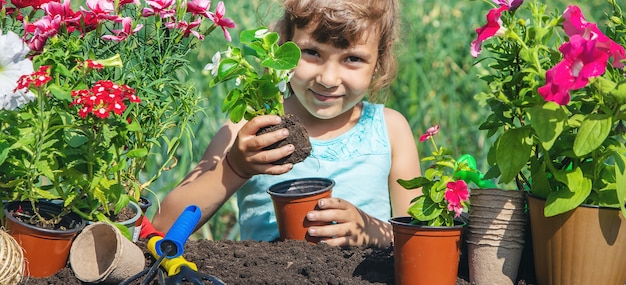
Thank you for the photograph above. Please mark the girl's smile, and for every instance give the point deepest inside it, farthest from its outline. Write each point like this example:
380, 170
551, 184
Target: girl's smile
330, 81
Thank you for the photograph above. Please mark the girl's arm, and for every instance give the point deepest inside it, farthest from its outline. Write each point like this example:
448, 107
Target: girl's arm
405, 162
213, 180
355, 227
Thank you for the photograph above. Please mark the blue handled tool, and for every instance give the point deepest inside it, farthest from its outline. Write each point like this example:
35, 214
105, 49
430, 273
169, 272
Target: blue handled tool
172, 245
473, 176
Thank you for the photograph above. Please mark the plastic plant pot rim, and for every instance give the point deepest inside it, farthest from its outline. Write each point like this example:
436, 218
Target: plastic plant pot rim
283, 189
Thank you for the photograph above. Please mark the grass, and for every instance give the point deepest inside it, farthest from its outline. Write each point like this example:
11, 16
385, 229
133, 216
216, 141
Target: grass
436, 84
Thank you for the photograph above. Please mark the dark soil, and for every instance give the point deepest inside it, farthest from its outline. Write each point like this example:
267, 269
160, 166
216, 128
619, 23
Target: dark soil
298, 136
288, 262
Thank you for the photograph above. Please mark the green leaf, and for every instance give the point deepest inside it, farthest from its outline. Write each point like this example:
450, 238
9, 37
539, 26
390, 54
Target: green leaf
548, 121
59, 92
75, 139
424, 209
620, 178
285, 57
540, 184
513, 152
237, 112
592, 133
137, 153
567, 198
414, 183
134, 126
438, 191
227, 68
4, 151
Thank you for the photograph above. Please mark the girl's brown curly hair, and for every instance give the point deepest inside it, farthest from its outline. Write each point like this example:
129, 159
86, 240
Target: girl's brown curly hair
343, 23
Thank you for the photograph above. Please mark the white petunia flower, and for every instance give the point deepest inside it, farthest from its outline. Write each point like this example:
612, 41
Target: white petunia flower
215, 64
13, 64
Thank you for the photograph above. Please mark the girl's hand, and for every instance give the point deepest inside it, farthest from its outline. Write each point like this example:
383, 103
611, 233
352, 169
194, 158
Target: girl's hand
348, 225
246, 157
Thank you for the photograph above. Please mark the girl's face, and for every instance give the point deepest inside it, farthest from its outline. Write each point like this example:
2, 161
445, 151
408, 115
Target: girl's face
328, 81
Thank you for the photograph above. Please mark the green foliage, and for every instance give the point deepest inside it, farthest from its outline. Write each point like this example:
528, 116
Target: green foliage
568, 152
431, 208
261, 69
99, 164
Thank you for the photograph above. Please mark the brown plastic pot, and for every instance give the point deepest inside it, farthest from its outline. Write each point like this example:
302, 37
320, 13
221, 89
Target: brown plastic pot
425, 255
293, 199
45, 250
586, 245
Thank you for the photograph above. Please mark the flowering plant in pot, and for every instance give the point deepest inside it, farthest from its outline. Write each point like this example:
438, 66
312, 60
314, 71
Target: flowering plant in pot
427, 243
445, 195
261, 70
90, 95
556, 94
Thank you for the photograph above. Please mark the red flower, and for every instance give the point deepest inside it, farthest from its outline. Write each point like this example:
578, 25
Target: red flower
429, 133
575, 24
103, 98
456, 193
36, 79
493, 27
582, 60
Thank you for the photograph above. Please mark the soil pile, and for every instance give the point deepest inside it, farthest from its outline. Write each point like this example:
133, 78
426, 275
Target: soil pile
288, 262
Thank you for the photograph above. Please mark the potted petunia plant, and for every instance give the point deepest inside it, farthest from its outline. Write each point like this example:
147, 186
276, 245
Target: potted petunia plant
556, 91
90, 94
427, 243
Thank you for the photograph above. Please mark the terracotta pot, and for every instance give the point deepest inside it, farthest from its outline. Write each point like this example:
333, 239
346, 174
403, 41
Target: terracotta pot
425, 255
293, 199
495, 235
584, 246
45, 250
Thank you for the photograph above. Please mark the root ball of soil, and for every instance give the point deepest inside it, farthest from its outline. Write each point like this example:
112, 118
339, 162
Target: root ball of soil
298, 136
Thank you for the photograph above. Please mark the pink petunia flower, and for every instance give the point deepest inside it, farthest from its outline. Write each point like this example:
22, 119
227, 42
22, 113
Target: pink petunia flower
511, 4
492, 28
429, 133
456, 193
219, 19
575, 24
581, 60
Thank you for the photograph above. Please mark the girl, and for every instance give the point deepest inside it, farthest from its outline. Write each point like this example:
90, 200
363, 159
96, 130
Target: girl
346, 54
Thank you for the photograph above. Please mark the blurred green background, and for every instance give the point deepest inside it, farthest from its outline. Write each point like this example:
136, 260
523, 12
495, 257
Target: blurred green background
437, 81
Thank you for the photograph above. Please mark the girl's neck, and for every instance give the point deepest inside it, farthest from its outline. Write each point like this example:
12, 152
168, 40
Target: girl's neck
324, 129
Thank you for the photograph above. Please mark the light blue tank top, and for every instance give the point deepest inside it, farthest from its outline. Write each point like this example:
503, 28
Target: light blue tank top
359, 161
